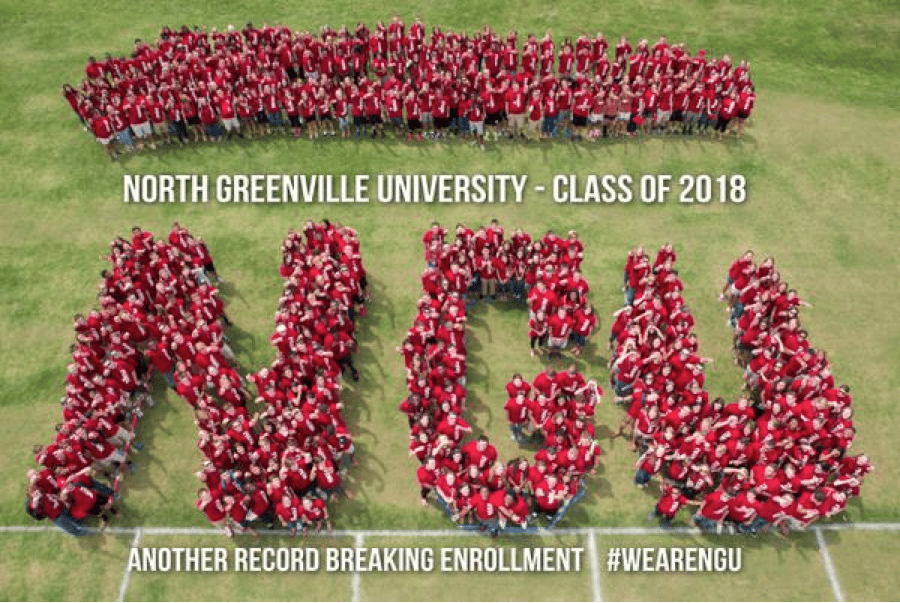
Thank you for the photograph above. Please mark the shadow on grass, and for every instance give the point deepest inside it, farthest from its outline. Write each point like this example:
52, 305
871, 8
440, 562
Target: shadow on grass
150, 432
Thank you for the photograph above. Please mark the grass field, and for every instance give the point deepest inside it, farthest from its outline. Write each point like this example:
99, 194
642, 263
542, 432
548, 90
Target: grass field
821, 159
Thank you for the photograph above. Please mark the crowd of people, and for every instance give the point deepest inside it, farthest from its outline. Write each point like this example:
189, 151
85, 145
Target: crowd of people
159, 311
554, 411
191, 85
298, 459
778, 457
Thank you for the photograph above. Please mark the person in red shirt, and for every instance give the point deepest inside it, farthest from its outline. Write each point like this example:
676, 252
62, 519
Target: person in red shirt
288, 511
158, 120
710, 111
453, 427
486, 512
475, 117
550, 111
511, 508
119, 123
517, 414
649, 464
102, 128
549, 496
584, 323
427, 476
313, 511
209, 119
211, 502
726, 113
374, 107
534, 108
139, 119
668, 506
515, 109
713, 511
560, 325
582, 103
745, 102
480, 453
228, 112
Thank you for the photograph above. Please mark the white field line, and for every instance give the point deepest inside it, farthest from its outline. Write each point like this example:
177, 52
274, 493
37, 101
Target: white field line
829, 566
617, 531
594, 561
126, 577
354, 577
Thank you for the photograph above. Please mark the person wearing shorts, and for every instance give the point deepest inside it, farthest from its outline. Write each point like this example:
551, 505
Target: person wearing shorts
582, 105
475, 118
102, 128
745, 102
440, 110
493, 112
158, 120
623, 113
413, 107
560, 329
373, 110
650, 102
664, 110
228, 115
610, 113
324, 115
358, 109
595, 117
307, 107
726, 113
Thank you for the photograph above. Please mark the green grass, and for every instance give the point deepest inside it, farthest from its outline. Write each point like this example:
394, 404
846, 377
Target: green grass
821, 161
